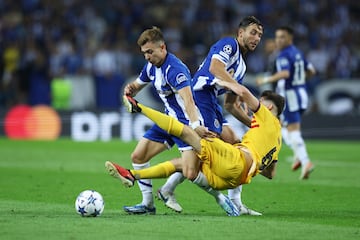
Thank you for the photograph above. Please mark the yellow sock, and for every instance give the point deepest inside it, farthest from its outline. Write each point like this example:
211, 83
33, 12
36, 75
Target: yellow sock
169, 124
161, 170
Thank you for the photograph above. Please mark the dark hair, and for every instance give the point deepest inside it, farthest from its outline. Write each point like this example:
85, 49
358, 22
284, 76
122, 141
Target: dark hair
153, 34
278, 100
287, 29
247, 21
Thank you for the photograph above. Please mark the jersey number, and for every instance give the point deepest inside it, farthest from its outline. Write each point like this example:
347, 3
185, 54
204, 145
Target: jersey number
267, 159
299, 73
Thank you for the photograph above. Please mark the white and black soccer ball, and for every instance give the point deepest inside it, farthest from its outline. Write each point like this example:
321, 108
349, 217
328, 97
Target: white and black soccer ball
89, 203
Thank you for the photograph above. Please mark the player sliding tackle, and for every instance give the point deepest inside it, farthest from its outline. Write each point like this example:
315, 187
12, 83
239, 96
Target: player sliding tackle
221, 165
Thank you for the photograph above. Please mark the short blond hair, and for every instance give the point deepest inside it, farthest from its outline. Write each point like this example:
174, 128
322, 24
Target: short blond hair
153, 34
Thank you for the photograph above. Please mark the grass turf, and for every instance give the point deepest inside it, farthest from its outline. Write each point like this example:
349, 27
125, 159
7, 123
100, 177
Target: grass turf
39, 182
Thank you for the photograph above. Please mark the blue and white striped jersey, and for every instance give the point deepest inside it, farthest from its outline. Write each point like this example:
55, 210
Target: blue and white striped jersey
227, 50
294, 87
291, 59
168, 79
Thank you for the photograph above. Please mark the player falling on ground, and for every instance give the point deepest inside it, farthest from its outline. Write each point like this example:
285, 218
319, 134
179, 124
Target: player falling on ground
223, 165
292, 68
225, 61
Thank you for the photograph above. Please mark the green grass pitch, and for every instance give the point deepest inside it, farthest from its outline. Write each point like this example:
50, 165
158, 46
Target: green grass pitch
39, 182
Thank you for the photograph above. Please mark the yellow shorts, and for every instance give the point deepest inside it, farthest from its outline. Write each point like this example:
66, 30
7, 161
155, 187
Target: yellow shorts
222, 164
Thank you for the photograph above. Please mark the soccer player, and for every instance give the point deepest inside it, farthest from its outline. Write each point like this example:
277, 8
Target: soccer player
222, 165
171, 79
291, 71
225, 61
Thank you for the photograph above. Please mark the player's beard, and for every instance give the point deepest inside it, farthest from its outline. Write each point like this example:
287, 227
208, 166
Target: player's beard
246, 45
250, 46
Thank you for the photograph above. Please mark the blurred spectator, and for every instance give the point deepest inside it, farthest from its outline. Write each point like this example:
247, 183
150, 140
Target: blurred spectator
270, 53
108, 81
71, 35
39, 79
342, 62
10, 61
319, 56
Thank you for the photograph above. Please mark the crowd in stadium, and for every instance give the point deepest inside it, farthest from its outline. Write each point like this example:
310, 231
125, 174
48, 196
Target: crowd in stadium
43, 39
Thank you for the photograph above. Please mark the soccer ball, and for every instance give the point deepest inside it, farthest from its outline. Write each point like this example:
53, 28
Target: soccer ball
89, 203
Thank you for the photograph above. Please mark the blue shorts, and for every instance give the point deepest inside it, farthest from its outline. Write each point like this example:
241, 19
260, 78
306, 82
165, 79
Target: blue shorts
156, 134
291, 117
295, 105
210, 110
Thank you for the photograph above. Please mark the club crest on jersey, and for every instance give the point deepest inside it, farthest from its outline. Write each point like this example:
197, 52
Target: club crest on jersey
227, 49
181, 78
216, 123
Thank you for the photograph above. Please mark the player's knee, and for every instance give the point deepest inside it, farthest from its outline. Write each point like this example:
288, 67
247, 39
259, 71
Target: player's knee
190, 174
138, 157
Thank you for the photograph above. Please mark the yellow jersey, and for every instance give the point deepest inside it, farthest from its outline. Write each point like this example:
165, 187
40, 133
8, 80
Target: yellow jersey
263, 140
224, 165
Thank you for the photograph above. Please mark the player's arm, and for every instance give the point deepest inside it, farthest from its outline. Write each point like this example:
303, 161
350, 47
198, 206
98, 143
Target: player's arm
217, 68
186, 94
233, 106
244, 94
269, 172
283, 74
133, 88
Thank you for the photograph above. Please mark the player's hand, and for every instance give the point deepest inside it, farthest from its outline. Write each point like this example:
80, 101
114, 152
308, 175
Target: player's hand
209, 139
242, 106
129, 90
203, 132
261, 80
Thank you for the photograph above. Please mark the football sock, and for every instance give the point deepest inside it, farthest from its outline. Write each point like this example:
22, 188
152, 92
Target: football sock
171, 183
160, 170
235, 195
203, 183
285, 136
298, 146
167, 123
145, 186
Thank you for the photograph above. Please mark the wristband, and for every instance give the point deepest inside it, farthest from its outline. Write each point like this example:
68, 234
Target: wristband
194, 125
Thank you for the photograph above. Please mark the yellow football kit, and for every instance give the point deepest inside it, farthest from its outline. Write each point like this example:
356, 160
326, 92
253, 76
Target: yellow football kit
224, 164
